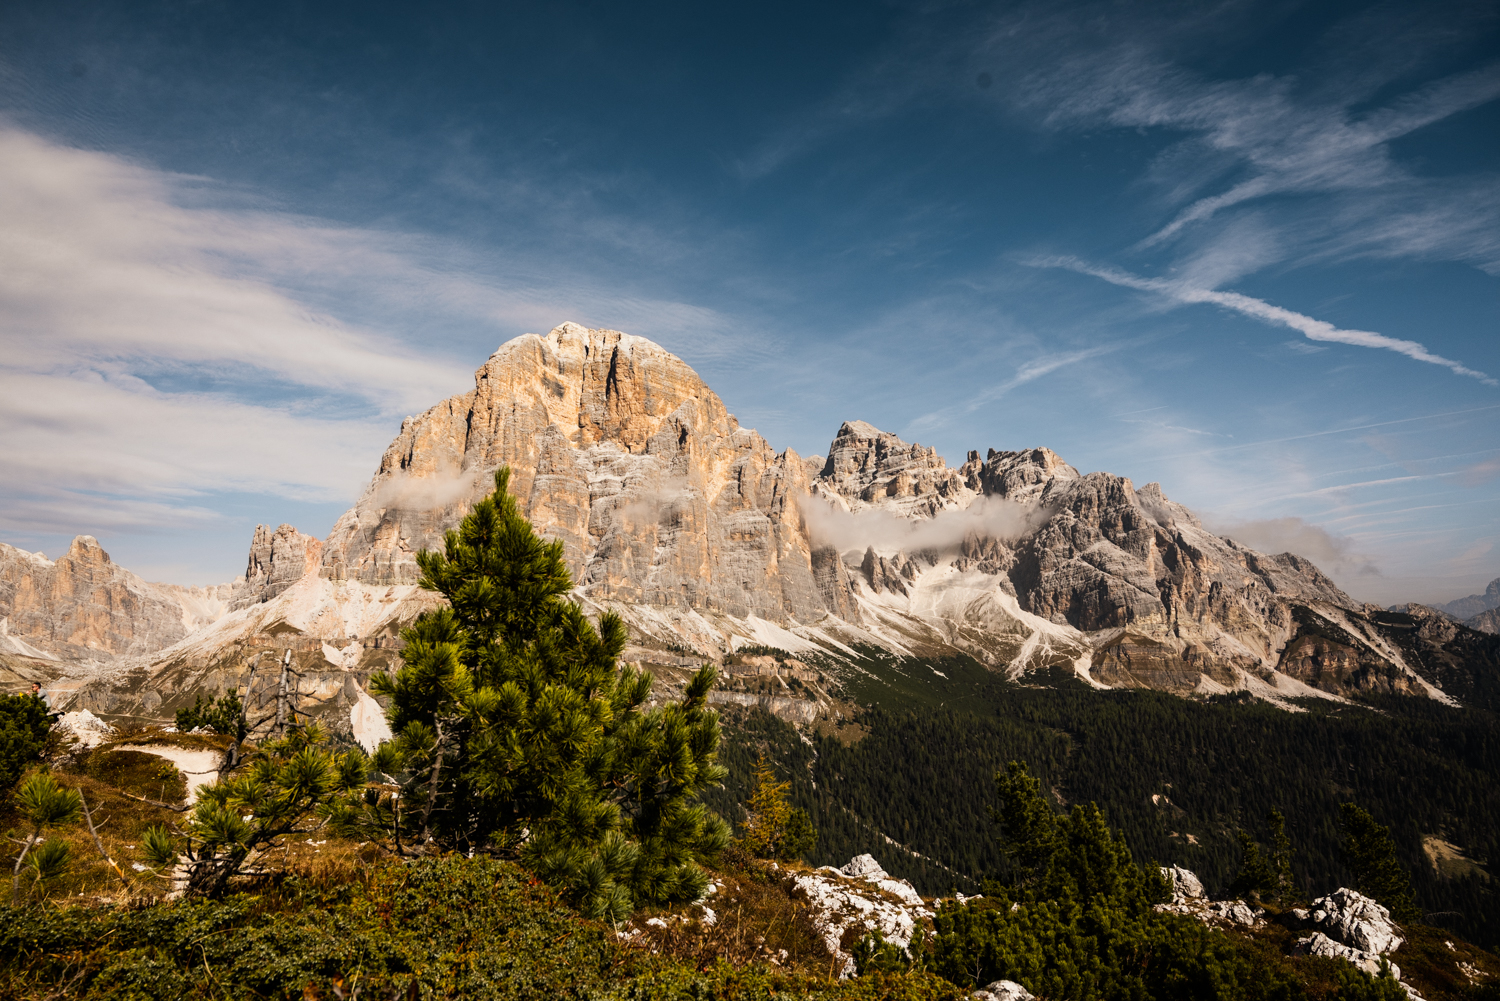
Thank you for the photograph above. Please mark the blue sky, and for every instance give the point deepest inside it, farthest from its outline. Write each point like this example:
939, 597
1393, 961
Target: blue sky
1248, 250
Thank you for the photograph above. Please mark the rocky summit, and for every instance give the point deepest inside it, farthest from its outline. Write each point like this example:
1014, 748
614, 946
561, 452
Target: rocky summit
707, 541
85, 607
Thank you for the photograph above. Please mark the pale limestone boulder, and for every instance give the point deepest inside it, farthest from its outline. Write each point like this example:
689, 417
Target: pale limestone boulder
1318, 944
1356, 920
1185, 884
86, 728
863, 897
1189, 899
1003, 990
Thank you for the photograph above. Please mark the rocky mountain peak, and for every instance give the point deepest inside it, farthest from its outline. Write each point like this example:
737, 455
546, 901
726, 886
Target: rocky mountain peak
1474, 604
706, 540
86, 607
868, 466
1016, 476
278, 559
86, 549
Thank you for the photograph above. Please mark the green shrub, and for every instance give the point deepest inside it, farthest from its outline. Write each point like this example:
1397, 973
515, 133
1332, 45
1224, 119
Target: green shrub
23, 735
475, 929
220, 716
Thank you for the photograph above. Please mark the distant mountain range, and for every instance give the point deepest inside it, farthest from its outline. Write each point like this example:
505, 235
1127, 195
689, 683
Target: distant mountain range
1477, 610
714, 546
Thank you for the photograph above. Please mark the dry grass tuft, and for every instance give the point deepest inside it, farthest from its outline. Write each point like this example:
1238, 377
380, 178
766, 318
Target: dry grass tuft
752, 917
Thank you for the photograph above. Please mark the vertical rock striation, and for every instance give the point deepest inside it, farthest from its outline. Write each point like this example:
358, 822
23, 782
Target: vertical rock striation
277, 561
618, 449
84, 606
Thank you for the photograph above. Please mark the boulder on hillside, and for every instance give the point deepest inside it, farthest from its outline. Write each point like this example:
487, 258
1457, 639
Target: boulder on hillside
1003, 990
1348, 924
1189, 899
1355, 919
860, 897
89, 730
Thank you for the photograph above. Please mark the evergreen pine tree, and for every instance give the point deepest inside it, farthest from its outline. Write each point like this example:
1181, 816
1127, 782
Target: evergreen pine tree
1266, 877
1371, 856
514, 732
43, 803
1283, 886
23, 735
775, 829
1255, 878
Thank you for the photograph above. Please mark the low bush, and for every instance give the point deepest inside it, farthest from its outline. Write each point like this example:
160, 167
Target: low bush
441, 927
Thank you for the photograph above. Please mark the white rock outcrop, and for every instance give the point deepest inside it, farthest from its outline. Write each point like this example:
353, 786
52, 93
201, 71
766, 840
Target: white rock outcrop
864, 897
1356, 920
1188, 898
1003, 990
89, 730
1354, 927
1318, 944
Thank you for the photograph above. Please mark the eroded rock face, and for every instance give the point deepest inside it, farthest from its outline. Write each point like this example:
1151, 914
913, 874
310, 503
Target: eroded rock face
688, 524
277, 561
83, 606
705, 540
870, 467
618, 449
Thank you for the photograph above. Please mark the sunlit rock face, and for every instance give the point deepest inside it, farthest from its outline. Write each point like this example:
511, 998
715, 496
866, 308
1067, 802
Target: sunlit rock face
617, 448
278, 559
707, 541
691, 526
84, 606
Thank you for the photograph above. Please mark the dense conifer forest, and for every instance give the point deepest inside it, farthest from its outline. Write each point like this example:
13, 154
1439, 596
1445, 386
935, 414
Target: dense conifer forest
912, 781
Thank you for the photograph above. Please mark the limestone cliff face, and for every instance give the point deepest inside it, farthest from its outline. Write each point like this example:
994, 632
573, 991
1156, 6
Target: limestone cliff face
867, 467
277, 561
84, 606
1162, 602
706, 541
618, 449
695, 529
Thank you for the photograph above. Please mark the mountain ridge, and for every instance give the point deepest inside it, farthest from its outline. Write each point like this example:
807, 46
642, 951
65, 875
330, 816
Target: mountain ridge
707, 542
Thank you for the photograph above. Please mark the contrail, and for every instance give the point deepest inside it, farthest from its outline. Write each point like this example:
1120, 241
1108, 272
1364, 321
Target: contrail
1312, 329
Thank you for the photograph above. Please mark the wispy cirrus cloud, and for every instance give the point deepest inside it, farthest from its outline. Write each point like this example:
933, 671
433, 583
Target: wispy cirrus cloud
1030, 371
167, 338
1311, 328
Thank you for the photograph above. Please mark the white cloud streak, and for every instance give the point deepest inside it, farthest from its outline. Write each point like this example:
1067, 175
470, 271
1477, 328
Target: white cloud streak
1030, 371
1312, 329
159, 347
987, 517
1293, 535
